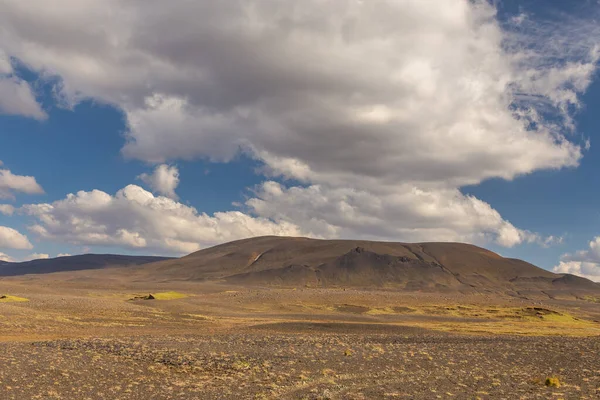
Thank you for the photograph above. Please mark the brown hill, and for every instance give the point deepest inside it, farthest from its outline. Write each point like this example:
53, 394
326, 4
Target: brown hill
299, 262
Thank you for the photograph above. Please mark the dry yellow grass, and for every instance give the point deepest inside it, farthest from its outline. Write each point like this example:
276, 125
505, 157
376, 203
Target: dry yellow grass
552, 382
169, 295
12, 299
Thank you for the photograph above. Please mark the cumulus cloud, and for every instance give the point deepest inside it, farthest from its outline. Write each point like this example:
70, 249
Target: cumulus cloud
591, 254
584, 263
6, 257
163, 180
7, 209
10, 183
587, 270
13, 239
37, 256
135, 218
398, 102
408, 213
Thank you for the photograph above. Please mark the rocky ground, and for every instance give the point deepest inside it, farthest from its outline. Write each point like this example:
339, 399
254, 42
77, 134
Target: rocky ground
74, 339
402, 363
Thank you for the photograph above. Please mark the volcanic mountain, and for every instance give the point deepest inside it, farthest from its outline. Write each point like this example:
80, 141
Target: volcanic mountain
301, 262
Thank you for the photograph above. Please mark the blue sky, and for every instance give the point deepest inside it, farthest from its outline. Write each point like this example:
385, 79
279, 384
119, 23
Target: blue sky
468, 121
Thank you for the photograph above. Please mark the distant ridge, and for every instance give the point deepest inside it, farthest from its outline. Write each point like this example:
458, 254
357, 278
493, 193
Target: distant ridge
74, 263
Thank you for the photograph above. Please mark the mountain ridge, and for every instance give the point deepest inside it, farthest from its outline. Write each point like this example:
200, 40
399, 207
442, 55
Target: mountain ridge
304, 262
74, 263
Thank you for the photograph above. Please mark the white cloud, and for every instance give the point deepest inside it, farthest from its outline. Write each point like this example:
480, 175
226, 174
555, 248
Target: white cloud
37, 256
584, 263
63, 255
587, 270
408, 214
398, 102
10, 183
163, 180
6, 257
552, 241
135, 218
12, 239
7, 209
591, 255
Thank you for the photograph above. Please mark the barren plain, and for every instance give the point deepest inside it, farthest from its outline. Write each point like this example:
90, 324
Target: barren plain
114, 334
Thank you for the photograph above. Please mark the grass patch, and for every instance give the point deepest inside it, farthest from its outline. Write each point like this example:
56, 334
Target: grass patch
314, 307
505, 320
159, 296
352, 309
381, 311
12, 299
552, 382
592, 299
241, 365
169, 295
199, 317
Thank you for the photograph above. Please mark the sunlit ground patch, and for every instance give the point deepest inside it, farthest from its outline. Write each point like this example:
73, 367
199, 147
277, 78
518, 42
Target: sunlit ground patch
11, 299
169, 295
158, 296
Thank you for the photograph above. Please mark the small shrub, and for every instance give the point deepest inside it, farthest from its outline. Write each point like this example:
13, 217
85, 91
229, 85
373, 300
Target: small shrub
552, 382
241, 365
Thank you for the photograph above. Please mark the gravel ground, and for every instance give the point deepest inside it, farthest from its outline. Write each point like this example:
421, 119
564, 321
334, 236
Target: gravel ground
328, 363
72, 341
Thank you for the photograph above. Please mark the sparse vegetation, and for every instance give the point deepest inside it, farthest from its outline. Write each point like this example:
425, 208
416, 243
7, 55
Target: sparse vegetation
12, 299
592, 299
169, 296
552, 382
276, 365
241, 365
160, 296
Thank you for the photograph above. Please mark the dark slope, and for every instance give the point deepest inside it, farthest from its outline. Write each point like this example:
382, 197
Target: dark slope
296, 262
74, 263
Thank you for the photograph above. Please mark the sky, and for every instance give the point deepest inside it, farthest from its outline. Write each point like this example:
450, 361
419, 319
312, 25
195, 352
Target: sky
141, 127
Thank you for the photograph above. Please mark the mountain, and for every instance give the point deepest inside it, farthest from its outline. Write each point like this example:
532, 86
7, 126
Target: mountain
74, 263
299, 262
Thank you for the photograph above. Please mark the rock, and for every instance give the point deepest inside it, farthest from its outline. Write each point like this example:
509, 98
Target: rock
149, 297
